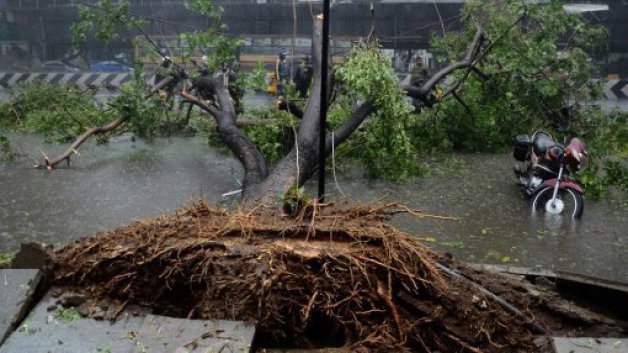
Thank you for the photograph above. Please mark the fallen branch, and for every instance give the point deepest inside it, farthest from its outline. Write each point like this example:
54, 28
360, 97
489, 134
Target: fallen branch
65, 156
255, 167
470, 60
73, 149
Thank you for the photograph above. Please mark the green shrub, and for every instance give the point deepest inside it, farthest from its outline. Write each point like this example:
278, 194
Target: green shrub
60, 112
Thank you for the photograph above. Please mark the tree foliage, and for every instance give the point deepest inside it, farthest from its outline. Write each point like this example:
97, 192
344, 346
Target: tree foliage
538, 62
385, 147
105, 20
538, 59
607, 163
145, 114
61, 112
218, 48
541, 60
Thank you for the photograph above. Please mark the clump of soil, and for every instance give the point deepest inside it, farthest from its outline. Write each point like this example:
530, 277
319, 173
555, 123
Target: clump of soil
341, 278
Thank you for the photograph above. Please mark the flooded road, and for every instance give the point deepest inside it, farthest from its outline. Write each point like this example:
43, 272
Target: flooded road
496, 224
125, 180
107, 185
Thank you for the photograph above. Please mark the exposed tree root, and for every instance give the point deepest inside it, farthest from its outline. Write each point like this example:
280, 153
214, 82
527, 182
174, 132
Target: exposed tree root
343, 277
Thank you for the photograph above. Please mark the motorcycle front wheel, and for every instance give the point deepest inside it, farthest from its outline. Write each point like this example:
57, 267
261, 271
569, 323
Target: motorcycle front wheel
568, 202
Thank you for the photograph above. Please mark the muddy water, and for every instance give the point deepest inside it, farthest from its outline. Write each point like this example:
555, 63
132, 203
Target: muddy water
107, 185
496, 225
117, 183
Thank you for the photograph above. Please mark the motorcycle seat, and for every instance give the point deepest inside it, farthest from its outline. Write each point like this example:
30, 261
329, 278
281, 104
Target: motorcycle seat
541, 141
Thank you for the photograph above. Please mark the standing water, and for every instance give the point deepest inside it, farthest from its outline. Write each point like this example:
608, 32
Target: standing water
106, 186
123, 181
496, 224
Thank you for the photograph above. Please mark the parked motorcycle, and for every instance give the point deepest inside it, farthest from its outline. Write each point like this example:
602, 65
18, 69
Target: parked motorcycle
544, 168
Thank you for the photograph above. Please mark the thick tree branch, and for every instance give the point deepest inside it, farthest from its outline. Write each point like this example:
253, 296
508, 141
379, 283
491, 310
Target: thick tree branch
220, 83
255, 168
468, 62
309, 128
213, 111
300, 163
65, 156
291, 107
349, 127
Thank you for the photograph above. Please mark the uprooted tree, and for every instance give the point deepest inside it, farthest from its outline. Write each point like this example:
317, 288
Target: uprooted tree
263, 183
505, 64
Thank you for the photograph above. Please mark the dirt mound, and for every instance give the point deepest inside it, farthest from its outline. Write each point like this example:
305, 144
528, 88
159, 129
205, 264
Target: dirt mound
342, 278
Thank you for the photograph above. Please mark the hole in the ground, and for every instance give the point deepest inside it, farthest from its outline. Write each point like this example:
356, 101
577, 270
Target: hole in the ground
321, 332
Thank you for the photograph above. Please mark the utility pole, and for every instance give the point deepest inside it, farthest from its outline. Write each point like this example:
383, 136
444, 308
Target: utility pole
43, 37
323, 111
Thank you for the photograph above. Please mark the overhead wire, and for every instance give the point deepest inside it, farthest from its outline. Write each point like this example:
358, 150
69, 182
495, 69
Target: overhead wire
439, 16
294, 35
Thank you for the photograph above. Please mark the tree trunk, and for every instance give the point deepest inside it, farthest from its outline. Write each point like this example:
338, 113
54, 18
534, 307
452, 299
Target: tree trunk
263, 188
301, 162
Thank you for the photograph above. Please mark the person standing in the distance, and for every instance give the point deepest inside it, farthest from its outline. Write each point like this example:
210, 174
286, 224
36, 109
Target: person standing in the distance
303, 77
163, 71
282, 72
418, 75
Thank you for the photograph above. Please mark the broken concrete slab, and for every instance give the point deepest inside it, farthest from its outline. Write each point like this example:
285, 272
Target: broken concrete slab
66, 332
50, 328
590, 345
17, 289
166, 334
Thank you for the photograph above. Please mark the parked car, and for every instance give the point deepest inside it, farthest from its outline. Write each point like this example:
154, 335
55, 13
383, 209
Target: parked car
57, 66
110, 66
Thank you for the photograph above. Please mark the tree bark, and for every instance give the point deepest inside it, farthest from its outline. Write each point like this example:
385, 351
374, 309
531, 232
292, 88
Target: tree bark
301, 162
255, 168
468, 62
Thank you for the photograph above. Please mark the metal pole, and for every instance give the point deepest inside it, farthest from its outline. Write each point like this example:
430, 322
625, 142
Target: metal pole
323, 112
44, 53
